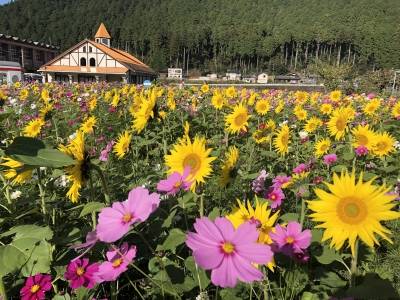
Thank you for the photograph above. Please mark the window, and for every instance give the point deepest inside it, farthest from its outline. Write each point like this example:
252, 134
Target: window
28, 53
92, 62
3, 52
84, 49
83, 62
40, 56
15, 52
105, 42
90, 49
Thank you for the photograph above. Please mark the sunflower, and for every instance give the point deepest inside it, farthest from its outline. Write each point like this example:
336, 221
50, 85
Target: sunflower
92, 103
326, 108
115, 100
217, 100
237, 120
337, 125
23, 95
281, 141
384, 144
45, 95
33, 128
16, 171
79, 172
363, 136
194, 155
371, 107
322, 147
262, 107
205, 88
335, 96
230, 92
301, 97
142, 116
280, 106
121, 147
264, 132
396, 110
88, 124
312, 124
351, 210
300, 113
231, 158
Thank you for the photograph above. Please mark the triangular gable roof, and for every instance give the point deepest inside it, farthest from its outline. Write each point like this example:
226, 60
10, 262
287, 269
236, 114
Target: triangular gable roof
102, 32
122, 57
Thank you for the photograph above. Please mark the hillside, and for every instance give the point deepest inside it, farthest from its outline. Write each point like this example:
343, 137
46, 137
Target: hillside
215, 35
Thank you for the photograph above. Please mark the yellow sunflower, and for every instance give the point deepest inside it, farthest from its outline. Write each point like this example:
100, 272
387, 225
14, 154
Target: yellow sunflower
121, 147
77, 173
384, 144
88, 124
205, 88
262, 107
23, 94
301, 97
337, 125
33, 128
230, 92
264, 132
335, 96
217, 100
92, 103
281, 141
237, 120
396, 110
231, 158
16, 171
371, 107
313, 124
142, 116
363, 136
280, 106
300, 113
326, 108
351, 210
194, 155
322, 147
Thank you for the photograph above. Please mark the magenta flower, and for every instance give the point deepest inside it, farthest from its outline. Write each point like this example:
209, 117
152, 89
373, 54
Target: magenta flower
280, 180
80, 273
227, 252
291, 240
91, 240
275, 196
35, 287
115, 221
106, 151
118, 261
361, 150
175, 182
329, 159
300, 169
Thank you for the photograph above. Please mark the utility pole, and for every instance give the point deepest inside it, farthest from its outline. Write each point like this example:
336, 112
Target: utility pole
394, 80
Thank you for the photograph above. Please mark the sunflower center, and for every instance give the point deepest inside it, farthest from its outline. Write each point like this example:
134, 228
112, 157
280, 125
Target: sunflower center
340, 124
289, 240
116, 263
227, 247
127, 217
80, 271
324, 147
284, 139
381, 146
351, 210
193, 161
240, 119
35, 288
362, 139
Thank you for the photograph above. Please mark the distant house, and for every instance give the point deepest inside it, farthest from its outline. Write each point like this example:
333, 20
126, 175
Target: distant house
90, 61
250, 79
290, 78
29, 54
175, 73
262, 78
233, 76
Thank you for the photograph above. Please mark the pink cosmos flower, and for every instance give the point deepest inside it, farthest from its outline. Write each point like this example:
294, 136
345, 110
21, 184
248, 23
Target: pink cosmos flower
361, 150
118, 261
106, 151
291, 239
227, 252
91, 240
280, 180
258, 184
35, 287
329, 159
275, 196
115, 221
80, 273
175, 182
300, 168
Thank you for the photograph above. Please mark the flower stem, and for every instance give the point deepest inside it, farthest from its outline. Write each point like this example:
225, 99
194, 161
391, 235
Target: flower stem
303, 212
353, 267
201, 205
103, 183
41, 192
3, 293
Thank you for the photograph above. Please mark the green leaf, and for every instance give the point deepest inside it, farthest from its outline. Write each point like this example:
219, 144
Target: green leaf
4, 115
197, 272
229, 294
164, 283
309, 296
332, 280
168, 221
175, 238
33, 152
348, 156
339, 168
62, 297
91, 207
187, 200
290, 217
373, 287
214, 213
11, 259
328, 256
29, 231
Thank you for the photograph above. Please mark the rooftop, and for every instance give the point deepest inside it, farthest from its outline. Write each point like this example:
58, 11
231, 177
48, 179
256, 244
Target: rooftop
27, 41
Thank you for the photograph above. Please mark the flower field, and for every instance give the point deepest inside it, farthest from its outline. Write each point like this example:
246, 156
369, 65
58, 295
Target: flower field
124, 192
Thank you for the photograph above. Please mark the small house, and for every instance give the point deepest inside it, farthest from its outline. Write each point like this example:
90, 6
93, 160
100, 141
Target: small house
262, 78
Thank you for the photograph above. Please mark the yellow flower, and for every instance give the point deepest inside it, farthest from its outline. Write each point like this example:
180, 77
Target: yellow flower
171, 103
301, 97
353, 210
205, 88
335, 96
326, 109
281, 141
231, 158
77, 173
45, 95
237, 120
300, 113
217, 100
337, 125
121, 147
92, 103
230, 92
384, 144
363, 136
115, 100
261, 215
280, 106
23, 94
44, 111
396, 110
88, 124
313, 124
145, 112
264, 132
194, 155
33, 128
262, 106
371, 107
16, 171
322, 147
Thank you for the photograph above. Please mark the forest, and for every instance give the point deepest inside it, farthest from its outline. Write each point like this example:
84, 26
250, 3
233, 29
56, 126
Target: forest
217, 35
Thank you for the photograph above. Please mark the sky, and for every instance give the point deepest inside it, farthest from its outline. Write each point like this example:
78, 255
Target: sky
4, 1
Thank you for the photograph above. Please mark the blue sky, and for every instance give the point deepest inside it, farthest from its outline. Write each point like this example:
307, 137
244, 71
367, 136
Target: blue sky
4, 1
